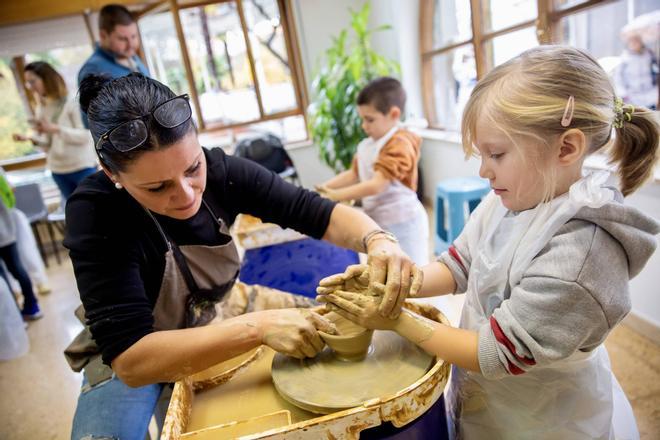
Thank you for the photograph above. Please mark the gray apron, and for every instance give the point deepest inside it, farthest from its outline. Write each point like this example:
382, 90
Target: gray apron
196, 278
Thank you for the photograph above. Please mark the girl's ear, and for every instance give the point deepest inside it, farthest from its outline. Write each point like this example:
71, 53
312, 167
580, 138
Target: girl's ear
572, 146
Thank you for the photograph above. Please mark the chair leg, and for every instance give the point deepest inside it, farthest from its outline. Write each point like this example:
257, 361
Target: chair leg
60, 226
49, 226
40, 244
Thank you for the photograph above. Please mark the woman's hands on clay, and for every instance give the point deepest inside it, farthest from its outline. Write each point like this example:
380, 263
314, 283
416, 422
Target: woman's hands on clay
293, 332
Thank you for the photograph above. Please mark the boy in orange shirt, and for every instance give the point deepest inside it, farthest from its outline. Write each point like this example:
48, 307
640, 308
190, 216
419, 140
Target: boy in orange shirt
384, 169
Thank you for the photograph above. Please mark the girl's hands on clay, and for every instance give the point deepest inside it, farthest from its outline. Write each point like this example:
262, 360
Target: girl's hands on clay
387, 265
359, 308
294, 332
354, 279
404, 281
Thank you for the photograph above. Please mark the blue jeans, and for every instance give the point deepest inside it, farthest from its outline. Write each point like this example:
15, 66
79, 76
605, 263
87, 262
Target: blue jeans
9, 254
113, 410
68, 182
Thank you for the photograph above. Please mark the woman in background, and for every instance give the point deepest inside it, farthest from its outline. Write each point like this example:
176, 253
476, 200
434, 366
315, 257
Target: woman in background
61, 134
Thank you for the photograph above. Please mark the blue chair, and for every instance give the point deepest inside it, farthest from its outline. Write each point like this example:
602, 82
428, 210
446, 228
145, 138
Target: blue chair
295, 266
455, 200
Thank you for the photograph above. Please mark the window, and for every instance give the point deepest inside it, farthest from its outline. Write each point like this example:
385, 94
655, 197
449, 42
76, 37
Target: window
161, 49
64, 43
461, 41
237, 64
14, 117
235, 58
66, 60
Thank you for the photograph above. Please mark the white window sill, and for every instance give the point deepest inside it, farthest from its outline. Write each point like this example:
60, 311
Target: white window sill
438, 135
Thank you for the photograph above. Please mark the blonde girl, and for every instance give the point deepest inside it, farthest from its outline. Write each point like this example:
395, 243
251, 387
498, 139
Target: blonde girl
545, 259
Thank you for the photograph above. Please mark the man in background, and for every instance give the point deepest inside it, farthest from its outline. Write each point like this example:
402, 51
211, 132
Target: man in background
116, 52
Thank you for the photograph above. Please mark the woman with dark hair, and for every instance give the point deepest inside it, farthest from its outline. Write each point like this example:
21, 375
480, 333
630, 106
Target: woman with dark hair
148, 238
70, 151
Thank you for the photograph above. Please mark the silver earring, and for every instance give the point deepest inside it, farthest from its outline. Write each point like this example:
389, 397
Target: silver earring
118, 185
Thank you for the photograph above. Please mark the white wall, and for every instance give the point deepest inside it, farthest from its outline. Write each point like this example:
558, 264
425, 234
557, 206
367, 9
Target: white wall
401, 44
318, 21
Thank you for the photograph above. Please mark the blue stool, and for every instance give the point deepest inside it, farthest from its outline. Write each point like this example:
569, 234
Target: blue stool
295, 266
455, 199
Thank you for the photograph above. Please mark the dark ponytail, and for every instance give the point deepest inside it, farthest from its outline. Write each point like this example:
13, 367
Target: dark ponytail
90, 87
110, 102
636, 148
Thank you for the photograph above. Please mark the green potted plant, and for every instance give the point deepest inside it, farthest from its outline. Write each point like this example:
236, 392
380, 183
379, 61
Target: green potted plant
349, 65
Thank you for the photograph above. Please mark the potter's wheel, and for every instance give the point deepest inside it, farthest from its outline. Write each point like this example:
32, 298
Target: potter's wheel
325, 384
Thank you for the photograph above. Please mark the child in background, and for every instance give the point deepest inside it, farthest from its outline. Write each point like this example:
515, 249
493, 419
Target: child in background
544, 260
9, 251
29, 253
636, 78
384, 169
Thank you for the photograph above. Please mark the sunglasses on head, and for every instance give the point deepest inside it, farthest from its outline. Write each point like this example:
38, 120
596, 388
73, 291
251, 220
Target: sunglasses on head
131, 134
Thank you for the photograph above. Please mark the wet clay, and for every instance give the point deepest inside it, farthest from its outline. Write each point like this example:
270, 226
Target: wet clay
233, 430
416, 328
352, 341
248, 394
326, 384
222, 367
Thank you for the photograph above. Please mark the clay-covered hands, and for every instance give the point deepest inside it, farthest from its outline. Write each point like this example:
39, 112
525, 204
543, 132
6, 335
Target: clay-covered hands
354, 279
363, 309
389, 273
294, 332
360, 308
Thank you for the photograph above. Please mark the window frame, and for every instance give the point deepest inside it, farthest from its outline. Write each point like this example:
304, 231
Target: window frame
174, 6
547, 23
293, 55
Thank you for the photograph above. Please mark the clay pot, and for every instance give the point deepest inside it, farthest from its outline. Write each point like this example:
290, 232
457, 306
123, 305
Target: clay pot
352, 342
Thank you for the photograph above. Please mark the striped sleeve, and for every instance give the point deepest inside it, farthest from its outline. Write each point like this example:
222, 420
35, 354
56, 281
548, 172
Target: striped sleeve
457, 259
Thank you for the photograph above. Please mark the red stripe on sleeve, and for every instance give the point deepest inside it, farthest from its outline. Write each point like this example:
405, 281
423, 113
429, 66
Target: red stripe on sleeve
502, 339
454, 254
513, 369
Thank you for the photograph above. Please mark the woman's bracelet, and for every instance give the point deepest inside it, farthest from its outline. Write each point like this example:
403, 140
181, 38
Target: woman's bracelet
376, 232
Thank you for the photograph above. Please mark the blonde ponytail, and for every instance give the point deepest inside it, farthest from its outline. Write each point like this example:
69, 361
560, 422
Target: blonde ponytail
635, 149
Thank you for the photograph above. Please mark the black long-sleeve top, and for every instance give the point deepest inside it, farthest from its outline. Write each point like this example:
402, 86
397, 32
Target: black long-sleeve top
118, 254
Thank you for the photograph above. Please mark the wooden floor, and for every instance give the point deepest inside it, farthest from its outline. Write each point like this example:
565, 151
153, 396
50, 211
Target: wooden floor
39, 392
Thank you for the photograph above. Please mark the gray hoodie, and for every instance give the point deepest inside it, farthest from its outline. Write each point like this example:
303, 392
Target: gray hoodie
573, 293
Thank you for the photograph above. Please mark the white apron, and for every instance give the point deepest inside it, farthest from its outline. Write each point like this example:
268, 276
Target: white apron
395, 205
575, 398
397, 208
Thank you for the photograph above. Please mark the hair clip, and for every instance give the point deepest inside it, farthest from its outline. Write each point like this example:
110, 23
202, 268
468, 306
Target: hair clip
622, 113
568, 112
